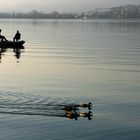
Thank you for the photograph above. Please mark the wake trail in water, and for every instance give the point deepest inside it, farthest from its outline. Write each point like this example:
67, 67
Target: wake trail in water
24, 104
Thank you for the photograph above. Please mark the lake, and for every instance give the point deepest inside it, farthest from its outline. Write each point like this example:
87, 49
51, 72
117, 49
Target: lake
71, 61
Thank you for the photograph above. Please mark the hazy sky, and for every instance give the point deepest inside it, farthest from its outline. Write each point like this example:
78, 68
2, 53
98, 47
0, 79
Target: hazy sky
60, 5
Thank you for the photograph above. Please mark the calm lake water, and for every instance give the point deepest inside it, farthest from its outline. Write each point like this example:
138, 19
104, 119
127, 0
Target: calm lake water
71, 61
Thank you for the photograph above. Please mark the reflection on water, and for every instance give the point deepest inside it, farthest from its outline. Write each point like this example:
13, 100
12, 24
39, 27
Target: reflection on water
96, 60
22, 104
17, 52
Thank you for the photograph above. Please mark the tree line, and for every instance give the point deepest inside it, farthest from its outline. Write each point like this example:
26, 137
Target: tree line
37, 15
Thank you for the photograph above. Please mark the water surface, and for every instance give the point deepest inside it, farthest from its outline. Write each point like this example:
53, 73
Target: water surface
71, 61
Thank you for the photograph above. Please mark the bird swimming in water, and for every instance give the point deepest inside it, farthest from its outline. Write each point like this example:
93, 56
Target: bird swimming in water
74, 107
89, 105
70, 108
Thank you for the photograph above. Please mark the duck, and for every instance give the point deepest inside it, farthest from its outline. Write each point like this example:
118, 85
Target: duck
74, 107
89, 105
70, 108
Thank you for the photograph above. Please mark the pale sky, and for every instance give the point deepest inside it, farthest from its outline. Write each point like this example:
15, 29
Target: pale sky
60, 5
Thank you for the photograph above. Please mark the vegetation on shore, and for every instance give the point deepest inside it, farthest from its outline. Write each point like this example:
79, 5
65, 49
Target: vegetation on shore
127, 11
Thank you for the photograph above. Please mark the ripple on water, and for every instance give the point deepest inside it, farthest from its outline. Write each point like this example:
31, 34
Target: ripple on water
27, 104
